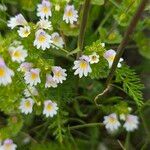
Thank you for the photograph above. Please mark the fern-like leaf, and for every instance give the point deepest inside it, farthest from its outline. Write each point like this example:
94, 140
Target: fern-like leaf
131, 83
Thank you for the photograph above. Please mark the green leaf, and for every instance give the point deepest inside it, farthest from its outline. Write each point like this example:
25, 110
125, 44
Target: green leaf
69, 30
30, 5
99, 70
95, 47
112, 38
14, 125
143, 44
131, 84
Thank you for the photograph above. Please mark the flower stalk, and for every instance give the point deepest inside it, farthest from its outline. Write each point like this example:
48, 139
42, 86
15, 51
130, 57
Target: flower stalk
85, 14
125, 40
122, 46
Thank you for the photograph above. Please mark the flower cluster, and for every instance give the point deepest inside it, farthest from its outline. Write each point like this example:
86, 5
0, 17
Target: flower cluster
19, 20
43, 39
26, 106
82, 65
112, 123
58, 76
8, 145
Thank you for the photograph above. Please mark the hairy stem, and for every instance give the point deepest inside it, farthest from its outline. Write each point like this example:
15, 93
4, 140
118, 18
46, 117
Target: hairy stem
62, 49
86, 8
125, 40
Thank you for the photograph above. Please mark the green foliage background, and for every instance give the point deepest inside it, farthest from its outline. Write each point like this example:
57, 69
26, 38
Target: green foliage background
69, 129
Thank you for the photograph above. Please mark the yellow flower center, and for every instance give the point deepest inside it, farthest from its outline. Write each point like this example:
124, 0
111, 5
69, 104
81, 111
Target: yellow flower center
7, 147
41, 38
17, 54
27, 104
69, 13
58, 74
26, 33
49, 107
94, 58
56, 39
111, 58
83, 64
33, 76
112, 120
45, 9
2, 72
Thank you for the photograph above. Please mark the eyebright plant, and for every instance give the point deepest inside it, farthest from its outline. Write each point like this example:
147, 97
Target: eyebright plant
62, 69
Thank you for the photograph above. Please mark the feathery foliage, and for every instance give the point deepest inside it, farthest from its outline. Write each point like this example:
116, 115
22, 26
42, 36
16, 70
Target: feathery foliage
131, 83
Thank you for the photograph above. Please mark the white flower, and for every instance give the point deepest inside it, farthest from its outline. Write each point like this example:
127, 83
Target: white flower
26, 105
25, 66
103, 44
42, 40
122, 117
44, 9
8, 145
18, 20
59, 74
24, 31
44, 24
18, 53
110, 56
50, 82
57, 40
111, 122
94, 58
5, 73
82, 66
32, 77
50, 108
131, 123
30, 90
70, 14
57, 7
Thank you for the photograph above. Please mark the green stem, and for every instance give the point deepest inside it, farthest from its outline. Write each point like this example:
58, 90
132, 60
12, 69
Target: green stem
128, 8
62, 49
104, 20
73, 52
124, 42
85, 125
127, 141
115, 4
121, 145
147, 131
33, 97
3, 21
86, 8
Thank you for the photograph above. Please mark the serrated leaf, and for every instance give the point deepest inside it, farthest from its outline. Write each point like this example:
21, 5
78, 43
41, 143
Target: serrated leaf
131, 84
112, 38
99, 70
